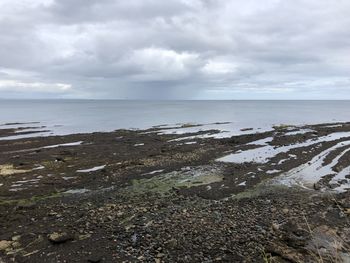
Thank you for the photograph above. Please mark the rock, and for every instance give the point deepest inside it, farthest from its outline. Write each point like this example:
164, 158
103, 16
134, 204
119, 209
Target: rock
275, 227
247, 129
16, 238
342, 214
317, 186
52, 213
5, 244
172, 243
26, 206
338, 168
94, 259
58, 238
16, 244
160, 255
334, 185
84, 236
285, 210
134, 239
285, 252
294, 236
343, 181
119, 214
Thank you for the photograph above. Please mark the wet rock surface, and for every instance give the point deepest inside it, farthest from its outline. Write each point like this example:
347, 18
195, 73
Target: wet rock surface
146, 196
60, 237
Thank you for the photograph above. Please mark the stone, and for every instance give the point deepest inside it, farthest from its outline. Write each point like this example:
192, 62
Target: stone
343, 181
119, 214
5, 244
275, 227
95, 259
317, 186
296, 240
134, 239
58, 238
334, 185
172, 243
16, 238
338, 168
16, 244
285, 210
26, 206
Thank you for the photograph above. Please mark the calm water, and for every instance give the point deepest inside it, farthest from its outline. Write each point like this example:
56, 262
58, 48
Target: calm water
72, 116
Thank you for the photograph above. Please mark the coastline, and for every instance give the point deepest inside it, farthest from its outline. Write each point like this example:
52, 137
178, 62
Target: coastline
156, 196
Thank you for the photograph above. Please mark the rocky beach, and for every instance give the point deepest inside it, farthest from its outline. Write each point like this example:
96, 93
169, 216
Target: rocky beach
182, 193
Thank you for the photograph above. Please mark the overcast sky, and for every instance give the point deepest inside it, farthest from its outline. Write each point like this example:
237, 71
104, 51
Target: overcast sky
175, 49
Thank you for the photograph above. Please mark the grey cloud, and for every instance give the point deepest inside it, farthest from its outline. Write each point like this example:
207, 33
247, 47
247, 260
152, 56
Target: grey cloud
81, 11
176, 49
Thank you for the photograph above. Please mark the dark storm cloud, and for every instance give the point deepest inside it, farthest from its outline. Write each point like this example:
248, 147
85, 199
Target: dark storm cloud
175, 49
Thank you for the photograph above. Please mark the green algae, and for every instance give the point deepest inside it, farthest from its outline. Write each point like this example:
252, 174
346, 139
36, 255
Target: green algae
283, 127
177, 179
31, 200
264, 187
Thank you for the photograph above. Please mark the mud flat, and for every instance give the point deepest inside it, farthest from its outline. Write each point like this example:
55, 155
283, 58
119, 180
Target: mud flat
181, 193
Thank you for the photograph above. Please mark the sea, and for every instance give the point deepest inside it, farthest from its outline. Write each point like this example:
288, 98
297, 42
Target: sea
79, 116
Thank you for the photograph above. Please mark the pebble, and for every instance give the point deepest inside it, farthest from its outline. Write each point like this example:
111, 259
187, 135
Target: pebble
94, 259
171, 243
58, 238
119, 214
5, 244
16, 238
275, 226
285, 210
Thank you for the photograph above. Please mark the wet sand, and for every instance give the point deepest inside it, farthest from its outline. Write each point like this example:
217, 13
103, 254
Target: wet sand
176, 194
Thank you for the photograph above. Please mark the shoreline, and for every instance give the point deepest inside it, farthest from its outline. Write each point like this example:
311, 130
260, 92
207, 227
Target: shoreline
155, 196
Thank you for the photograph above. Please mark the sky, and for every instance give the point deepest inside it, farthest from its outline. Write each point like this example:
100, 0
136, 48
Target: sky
175, 49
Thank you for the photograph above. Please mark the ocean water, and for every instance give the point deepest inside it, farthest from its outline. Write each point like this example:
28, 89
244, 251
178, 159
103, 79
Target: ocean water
75, 116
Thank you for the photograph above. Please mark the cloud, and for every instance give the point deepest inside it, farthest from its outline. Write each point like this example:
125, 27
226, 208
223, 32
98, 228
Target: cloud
176, 49
16, 86
217, 67
154, 64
